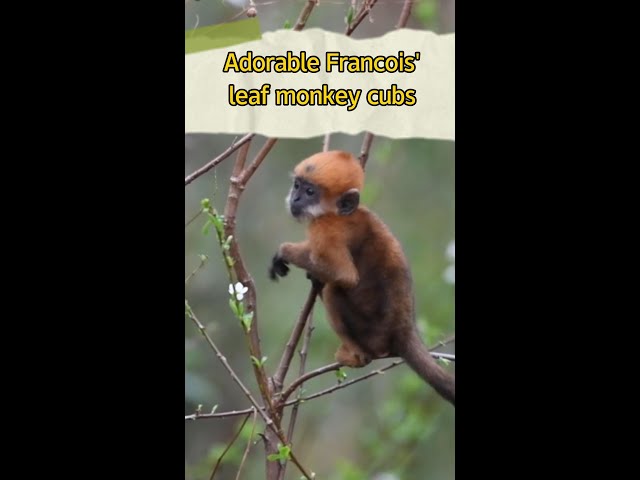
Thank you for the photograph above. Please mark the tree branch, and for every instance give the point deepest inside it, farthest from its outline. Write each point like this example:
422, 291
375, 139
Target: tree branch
244, 389
364, 151
304, 15
326, 142
404, 15
361, 15
298, 328
224, 362
232, 148
303, 361
235, 437
246, 450
251, 169
379, 371
233, 413
368, 138
237, 186
300, 380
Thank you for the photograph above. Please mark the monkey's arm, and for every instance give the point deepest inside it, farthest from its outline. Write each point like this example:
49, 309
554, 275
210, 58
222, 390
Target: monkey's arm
333, 266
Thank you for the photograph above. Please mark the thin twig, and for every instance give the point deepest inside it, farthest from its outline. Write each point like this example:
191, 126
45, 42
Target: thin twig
294, 411
203, 260
307, 376
251, 169
336, 366
193, 218
233, 413
379, 371
326, 142
366, 146
303, 361
304, 15
235, 437
361, 15
244, 389
296, 333
246, 450
405, 14
225, 363
232, 148
340, 386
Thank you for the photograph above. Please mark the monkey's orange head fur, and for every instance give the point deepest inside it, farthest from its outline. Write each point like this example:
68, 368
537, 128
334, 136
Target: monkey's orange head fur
336, 172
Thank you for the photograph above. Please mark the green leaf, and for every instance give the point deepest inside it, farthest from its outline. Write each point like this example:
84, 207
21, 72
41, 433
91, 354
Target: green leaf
207, 227
341, 374
246, 321
219, 224
234, 307
287, 24
206, 204
349, 18
258, 363
227, 243
284, 453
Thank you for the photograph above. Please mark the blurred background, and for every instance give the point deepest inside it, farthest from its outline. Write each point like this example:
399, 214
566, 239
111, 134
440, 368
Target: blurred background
389, 427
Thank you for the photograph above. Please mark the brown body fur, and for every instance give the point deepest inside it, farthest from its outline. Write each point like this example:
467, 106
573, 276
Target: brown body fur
366, 281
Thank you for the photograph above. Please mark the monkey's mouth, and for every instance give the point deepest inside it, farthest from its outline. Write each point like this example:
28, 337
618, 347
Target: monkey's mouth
299, 214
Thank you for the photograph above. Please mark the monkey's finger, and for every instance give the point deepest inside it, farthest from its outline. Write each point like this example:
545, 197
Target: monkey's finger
272, 274
278, 268
281, 268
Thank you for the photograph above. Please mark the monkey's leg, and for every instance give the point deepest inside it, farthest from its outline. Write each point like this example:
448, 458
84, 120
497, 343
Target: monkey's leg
349, 353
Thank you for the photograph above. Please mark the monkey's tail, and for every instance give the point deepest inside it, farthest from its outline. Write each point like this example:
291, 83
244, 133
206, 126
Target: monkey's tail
417, 356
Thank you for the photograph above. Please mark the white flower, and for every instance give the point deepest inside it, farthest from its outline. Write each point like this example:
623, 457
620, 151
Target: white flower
239, 289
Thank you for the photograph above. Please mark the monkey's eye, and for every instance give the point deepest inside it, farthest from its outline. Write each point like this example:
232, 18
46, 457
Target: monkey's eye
296, 185
309, 191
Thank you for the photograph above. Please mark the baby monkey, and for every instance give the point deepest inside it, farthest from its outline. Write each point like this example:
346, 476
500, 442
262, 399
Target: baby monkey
359, 268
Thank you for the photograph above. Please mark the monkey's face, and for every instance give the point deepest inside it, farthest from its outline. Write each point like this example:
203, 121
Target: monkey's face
325, 183
303, 199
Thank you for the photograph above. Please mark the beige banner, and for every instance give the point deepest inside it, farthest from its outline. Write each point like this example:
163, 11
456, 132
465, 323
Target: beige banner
355, 100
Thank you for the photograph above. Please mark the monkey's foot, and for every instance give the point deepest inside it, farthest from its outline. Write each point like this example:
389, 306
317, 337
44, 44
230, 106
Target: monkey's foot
352, 357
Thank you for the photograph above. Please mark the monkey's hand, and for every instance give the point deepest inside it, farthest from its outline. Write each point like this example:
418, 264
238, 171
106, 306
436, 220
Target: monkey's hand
279, 268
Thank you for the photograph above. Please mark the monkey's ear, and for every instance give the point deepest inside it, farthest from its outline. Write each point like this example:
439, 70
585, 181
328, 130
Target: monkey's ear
348, 202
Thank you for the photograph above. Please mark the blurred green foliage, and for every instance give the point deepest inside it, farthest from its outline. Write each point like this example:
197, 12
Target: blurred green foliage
390, 424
